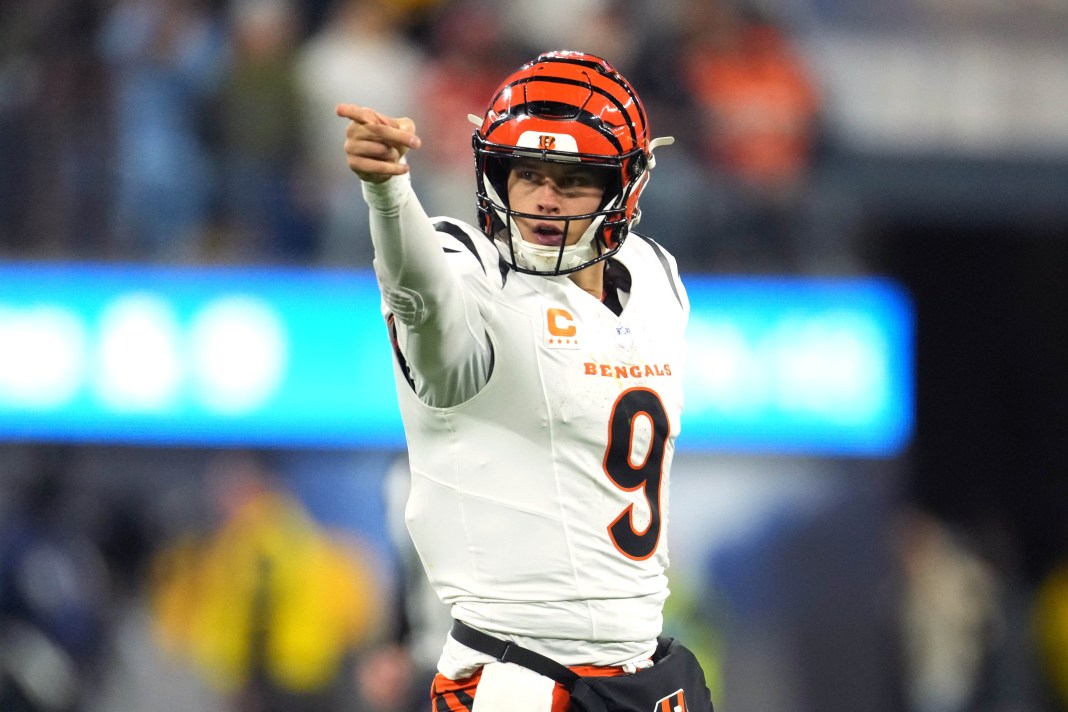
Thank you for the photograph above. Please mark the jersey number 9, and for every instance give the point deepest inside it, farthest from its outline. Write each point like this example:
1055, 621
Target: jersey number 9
628, 475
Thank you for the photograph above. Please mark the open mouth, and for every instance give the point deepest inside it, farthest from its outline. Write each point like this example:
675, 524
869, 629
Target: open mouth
548, 234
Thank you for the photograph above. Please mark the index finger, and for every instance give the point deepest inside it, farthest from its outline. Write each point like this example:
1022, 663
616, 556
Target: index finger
399, 132
361, 114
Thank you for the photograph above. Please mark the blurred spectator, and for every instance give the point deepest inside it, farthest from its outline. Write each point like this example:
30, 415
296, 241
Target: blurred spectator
396, 675
1050, 625
538, 27
675, 205
362, 53
731, 83
615, 31
951, 618
167, 59
54, 597
52, 133
758, 104
268, 606
757, 119
260, 122
461, 74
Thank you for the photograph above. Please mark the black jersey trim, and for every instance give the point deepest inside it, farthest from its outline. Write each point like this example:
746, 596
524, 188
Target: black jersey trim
464, 239
391, 324
662, 256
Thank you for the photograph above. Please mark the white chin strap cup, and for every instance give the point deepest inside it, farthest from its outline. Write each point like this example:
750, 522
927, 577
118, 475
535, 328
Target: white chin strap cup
657, 143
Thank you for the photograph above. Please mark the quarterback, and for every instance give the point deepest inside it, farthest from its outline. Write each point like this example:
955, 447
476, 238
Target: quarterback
538, 360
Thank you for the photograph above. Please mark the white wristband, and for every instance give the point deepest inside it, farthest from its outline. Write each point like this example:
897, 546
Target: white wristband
387, 198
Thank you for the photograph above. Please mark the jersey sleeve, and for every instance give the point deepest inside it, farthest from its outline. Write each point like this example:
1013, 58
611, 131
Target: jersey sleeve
440, 333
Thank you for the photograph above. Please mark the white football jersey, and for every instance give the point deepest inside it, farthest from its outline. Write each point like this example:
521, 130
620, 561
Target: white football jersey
539, 506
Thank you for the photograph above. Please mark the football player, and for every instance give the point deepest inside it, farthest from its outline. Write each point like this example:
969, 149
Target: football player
538, 360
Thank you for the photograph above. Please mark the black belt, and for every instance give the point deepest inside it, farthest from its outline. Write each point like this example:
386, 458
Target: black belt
582, 695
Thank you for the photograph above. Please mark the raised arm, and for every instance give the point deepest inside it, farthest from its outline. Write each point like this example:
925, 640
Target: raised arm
440, 329
375, 143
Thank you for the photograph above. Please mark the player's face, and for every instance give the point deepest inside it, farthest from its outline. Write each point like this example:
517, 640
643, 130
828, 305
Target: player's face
554, 190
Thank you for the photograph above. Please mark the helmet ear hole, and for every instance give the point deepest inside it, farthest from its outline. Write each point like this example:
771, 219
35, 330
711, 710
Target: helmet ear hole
637, 166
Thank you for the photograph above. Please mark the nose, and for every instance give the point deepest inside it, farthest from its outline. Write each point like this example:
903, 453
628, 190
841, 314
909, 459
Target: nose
548, 197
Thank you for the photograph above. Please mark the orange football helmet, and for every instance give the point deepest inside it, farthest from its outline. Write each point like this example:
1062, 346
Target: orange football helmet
564, 107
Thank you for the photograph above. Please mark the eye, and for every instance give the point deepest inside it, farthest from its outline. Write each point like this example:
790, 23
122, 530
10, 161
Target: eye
585, 183
527, 174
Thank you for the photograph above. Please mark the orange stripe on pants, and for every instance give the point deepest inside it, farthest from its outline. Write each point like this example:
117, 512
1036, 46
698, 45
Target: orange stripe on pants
450, 695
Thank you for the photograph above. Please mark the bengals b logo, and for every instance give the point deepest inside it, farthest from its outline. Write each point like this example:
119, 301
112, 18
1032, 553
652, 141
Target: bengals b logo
547, 143
675, 702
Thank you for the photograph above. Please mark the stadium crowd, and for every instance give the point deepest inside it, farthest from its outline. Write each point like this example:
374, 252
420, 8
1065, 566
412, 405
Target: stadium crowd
204, 131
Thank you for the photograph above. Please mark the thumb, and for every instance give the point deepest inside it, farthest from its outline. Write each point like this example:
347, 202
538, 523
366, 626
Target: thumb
406, 124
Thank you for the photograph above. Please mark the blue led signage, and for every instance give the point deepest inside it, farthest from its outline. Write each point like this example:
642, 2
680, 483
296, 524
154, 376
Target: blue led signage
300, 358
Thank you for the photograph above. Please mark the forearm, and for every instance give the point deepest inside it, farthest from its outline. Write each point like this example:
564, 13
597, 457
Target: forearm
440, 333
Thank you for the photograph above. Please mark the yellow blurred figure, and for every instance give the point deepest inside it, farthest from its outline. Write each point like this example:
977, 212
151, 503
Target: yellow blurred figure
1051, 628
269, 596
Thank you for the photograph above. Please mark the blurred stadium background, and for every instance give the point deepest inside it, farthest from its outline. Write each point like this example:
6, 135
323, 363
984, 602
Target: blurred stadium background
200, 461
